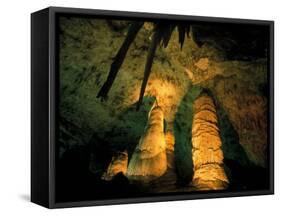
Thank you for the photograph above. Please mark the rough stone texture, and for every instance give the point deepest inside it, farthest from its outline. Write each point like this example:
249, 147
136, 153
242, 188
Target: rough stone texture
207, 154
240, 90
149, 159
248, 113
210, 177
170, 142
118, 164
202, 64
168, 181
237, 85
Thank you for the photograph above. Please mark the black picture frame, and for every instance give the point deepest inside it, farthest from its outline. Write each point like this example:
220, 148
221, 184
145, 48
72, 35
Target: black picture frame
44, 100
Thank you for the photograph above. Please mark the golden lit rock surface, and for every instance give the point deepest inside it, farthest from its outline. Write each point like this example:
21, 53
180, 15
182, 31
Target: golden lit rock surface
169, 94
202, 64
207, 154
167, 182
170, 142
190, 75
118, 164
149, 159
210, 177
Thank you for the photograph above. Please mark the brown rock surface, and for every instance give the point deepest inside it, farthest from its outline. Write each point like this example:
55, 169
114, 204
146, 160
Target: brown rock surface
248, 113
207, 154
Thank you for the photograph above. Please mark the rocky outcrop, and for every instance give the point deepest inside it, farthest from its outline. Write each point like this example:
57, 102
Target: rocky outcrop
117, 165
149, 159
247, 111
207, 154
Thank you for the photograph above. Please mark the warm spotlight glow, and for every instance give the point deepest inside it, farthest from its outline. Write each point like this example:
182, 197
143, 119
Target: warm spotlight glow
168, 96
170, 142
149, 159
207, 154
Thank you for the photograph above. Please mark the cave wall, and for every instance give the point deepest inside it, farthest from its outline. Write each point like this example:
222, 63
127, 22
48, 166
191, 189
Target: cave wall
87, 48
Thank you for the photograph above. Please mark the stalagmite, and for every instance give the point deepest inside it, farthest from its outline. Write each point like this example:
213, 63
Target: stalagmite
149, 159
167, 182
207, 154
118, 164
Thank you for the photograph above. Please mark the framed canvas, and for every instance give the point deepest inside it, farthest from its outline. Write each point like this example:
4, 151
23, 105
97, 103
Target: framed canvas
138, 107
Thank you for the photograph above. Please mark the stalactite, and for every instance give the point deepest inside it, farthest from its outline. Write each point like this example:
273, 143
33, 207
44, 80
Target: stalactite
207, 154
119, 58
149, 159
118, 164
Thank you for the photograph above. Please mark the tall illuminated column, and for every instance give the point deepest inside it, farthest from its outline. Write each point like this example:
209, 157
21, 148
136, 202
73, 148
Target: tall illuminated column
149, 159
207, 154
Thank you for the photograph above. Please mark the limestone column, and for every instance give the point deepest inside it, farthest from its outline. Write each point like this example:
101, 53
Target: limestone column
207, 154
149, 159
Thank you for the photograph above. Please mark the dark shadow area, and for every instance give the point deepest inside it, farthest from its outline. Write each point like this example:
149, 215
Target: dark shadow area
241, 172
236, 42
80, 167
129, 127
75, 181
182, 132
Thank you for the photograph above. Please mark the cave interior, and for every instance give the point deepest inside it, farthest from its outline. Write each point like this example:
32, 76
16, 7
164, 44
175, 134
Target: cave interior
158, 107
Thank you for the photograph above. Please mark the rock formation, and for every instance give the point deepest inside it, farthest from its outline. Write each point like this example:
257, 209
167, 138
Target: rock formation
207, 154
170, 142
247, 112
117, 165
149, 159
167, 182
237, 77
